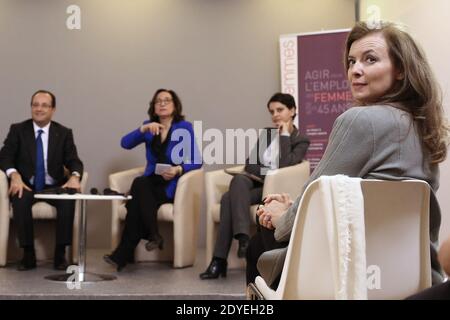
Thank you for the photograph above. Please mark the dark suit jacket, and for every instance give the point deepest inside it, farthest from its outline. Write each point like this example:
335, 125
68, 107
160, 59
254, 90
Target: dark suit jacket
19, 151
292, 151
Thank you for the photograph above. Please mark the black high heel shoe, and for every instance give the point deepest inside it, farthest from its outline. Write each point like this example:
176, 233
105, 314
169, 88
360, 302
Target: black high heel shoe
155, 242
217, 267
28, 262
110, 259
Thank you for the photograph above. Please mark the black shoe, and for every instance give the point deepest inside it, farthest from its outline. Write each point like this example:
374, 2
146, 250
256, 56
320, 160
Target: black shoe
60, 263
155, 242
28, 262
110, 259
217, 267
243, 246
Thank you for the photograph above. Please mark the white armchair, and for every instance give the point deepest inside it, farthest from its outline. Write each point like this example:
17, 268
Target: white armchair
285, 180
178, 222
44, 213
397, 239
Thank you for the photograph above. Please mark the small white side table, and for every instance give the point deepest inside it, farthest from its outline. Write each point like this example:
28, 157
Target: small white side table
83, 276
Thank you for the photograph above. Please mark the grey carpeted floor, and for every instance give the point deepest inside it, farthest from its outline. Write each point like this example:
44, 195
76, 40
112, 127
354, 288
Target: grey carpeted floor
137, 281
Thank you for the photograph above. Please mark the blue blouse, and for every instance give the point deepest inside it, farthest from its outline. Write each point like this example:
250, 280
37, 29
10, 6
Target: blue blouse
182, 150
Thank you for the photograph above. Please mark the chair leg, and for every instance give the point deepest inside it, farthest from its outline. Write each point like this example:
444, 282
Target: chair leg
253, 293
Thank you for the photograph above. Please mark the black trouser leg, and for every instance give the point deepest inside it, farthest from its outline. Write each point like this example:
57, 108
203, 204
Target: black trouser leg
134, 229
142, 209
65, 211
243, 193
234, 212
23, 218
22, 213
151, 196
225, 232
261, 242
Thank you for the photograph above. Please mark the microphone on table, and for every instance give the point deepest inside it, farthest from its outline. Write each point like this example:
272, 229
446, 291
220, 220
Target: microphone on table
70, 190
111, 192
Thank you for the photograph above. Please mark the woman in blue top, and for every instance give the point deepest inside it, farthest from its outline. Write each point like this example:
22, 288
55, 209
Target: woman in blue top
170, 140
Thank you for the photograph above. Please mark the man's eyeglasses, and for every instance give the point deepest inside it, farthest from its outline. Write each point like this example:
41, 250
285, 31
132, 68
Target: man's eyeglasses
163, 102
37, 105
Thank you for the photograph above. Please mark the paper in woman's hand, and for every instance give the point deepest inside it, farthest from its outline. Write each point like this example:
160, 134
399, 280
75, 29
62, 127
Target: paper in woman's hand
161, 168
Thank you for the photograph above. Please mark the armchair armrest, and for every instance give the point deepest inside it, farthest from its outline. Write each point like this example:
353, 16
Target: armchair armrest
287, 180
4, 197
217, 183
121, 182
4, 217
186, 216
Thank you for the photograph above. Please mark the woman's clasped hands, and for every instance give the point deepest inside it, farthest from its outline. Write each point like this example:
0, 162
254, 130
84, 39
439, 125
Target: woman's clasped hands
275, 205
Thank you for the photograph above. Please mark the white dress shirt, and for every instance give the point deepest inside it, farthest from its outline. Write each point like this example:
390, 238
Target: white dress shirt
272, 153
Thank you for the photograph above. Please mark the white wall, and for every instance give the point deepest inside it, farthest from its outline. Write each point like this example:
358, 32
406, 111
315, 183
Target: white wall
428, 21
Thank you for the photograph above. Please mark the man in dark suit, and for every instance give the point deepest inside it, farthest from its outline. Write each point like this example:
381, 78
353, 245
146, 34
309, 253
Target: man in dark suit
34, 156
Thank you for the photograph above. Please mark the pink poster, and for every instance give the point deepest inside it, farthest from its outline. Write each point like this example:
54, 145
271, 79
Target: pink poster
312, 70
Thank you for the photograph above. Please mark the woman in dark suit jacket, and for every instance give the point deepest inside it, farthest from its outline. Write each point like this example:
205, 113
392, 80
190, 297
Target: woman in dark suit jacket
288, 150
161, 134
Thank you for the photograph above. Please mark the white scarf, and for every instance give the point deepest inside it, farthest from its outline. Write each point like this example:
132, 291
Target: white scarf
344, 216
